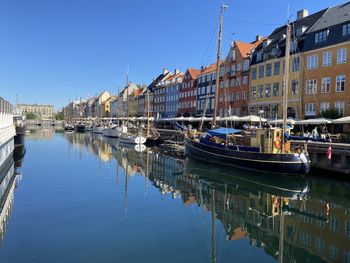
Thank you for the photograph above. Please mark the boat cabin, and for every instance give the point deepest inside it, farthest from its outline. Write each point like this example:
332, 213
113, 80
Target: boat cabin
269, 140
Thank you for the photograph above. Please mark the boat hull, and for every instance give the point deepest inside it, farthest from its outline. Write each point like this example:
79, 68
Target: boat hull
98, 130
293, 164
112, 133
79, 128
132, 139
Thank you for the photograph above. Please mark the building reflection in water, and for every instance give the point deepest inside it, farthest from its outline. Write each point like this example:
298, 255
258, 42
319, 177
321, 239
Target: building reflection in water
290, 218
10, 175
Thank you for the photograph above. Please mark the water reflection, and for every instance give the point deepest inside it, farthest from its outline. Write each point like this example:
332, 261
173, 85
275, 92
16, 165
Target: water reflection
10, 175
290, 218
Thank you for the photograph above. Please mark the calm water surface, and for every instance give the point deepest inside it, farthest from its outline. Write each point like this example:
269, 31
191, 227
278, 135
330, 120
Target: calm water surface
83, 198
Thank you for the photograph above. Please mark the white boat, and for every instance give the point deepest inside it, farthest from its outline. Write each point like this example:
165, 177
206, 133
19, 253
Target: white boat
7, 133
97, 129
128, 138
113, 131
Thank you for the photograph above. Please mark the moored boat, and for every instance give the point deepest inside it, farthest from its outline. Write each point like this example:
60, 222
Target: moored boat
113, 131
263, 149
97, 129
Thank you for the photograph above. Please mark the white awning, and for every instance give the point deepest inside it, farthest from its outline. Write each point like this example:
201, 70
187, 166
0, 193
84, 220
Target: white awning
314, 121
342, 120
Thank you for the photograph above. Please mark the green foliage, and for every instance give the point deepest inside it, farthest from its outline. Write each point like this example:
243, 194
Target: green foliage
330, 114
59, 116
30, 116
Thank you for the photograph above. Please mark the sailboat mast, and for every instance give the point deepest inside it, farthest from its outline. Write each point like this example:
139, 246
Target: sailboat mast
148, 104
286, 84
217, 83
127, 97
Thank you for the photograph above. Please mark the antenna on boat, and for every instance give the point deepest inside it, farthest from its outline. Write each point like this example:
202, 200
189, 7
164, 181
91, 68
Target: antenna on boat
213, 124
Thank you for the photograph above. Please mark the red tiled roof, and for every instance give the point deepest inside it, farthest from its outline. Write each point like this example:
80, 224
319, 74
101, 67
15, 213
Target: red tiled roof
193, 72
137, 92
246, 48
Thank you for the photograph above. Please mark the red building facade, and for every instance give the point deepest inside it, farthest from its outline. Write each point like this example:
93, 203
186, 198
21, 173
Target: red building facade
188, 93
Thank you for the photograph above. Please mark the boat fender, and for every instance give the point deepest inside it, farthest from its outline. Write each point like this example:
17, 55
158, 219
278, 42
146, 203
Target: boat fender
277, 143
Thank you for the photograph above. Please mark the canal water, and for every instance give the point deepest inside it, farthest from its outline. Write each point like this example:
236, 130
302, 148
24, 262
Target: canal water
84, 198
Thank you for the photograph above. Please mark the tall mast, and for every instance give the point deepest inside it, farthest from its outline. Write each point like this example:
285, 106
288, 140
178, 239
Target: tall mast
127, 97
148, 104
286, 84
213, 124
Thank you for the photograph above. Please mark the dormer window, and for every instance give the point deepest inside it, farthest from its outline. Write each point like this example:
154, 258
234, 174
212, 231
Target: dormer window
293, 46
346, 29
259, 56
266, 42
301, 30
321, 36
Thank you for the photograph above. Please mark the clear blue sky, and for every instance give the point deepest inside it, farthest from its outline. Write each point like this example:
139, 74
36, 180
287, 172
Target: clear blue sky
55, 50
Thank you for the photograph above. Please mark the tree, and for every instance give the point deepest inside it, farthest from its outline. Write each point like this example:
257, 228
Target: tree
331, 114
30, 116
59, 116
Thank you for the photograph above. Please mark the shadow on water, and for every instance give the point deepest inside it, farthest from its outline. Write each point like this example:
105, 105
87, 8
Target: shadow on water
292, 219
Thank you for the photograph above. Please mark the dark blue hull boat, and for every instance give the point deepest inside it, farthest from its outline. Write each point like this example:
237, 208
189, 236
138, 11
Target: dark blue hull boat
249, 158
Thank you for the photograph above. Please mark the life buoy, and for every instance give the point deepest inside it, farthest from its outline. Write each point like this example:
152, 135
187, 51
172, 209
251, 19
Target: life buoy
277, 143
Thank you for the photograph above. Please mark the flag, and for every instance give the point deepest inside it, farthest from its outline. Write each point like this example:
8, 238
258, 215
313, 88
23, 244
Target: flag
329, 153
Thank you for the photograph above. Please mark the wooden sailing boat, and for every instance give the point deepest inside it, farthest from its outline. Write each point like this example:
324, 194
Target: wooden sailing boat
265, 149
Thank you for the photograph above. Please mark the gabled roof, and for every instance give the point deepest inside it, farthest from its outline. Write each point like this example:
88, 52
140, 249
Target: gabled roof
246, 48
210, 68
278, 41
193, 72
333, 16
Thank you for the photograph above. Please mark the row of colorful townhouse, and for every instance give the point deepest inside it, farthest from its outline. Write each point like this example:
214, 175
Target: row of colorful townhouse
252, 77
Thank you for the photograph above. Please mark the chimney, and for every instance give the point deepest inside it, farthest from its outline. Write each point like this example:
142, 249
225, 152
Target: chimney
165, 71
177, 71
302, 13
258, 38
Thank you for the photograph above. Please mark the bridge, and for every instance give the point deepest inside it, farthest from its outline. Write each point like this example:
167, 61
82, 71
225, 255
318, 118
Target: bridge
44, 122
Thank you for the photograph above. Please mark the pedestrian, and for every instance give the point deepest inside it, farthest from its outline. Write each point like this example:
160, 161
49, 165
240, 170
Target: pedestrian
314, 133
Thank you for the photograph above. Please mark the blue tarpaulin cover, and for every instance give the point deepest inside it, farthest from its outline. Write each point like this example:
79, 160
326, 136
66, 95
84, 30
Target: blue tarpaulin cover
223, 132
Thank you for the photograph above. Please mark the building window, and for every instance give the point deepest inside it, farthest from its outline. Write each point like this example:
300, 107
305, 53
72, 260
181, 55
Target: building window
324, 106
253, 95
311, 86
259, 56
233, 55
245, 80
293, 46
276, 88
327, 58
239, 67
267, 90
276, 68
294, 87
253, 73
246, 65
321, 36
310, 109
312, 61
244, 95
326, 85
268, 70
238, 82
346, 29
238, 96
340, 84
296, 63
341, 56
339, 106
261, 72
260, 91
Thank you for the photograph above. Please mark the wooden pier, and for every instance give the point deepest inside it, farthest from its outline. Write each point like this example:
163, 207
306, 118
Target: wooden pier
340, 159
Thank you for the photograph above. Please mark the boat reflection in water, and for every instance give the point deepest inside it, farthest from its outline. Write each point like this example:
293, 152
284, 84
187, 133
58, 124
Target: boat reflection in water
292, 219
10, 175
